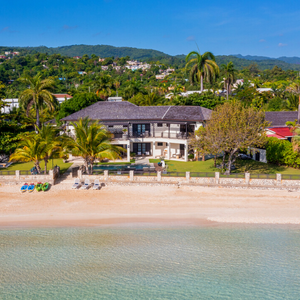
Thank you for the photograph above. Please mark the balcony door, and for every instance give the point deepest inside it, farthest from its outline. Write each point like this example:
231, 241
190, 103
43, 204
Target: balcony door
140, 129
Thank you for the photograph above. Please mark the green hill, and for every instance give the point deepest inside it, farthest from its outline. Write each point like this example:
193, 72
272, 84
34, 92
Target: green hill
286, 63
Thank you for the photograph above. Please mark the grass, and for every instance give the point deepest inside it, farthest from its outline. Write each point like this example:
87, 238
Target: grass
26, 166
252, 166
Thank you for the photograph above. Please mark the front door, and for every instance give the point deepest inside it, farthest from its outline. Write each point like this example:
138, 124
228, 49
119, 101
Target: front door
142, 148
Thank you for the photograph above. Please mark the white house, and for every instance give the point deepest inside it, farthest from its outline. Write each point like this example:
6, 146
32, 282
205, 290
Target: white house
154, 131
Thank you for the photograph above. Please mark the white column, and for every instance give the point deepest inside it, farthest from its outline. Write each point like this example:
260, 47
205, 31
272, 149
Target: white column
159, 176
168, 153
217, 177
17, 174
185, 151
247, 178
131, 175
106, 175
187, 176
128, 151
153, 149
278, 179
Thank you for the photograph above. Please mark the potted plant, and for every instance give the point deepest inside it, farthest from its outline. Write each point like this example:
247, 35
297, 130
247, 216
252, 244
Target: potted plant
125, 133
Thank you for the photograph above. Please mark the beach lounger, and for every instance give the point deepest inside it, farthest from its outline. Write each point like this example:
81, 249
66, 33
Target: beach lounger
96, 185
76, 184
86, 184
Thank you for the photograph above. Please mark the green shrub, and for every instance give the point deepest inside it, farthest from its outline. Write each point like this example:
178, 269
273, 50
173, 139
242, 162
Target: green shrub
132, 154
191, 156
281, 152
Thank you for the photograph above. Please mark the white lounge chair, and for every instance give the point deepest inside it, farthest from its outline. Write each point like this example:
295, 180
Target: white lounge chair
76, 184
86, 184
96, 185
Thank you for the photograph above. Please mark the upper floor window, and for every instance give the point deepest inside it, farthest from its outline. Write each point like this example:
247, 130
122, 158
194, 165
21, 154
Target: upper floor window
159, 125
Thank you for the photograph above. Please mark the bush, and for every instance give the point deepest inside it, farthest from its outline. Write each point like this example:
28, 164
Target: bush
132, 154
191, 156
281, 152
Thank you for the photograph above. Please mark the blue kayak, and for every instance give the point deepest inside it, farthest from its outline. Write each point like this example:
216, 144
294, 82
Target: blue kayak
24, 187
30, 187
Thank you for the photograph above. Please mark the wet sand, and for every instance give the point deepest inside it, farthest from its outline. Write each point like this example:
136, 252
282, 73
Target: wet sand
61, 206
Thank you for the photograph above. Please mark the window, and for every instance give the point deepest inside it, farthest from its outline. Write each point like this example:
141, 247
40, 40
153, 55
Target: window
110, 126
160, 144
159, 125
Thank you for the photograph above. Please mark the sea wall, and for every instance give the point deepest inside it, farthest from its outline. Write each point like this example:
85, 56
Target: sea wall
244, 182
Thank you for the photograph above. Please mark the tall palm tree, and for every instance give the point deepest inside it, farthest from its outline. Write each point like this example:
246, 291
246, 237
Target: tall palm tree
30, 149
92, 141
229, 76
38, 95
204, 67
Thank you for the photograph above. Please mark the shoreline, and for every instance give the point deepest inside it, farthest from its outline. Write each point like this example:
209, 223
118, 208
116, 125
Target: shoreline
141, 205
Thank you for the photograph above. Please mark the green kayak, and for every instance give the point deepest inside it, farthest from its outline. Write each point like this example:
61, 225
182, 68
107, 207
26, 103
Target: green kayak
45, 186
39, 186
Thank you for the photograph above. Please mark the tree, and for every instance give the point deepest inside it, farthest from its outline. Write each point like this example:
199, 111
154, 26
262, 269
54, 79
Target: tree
92, 141
52, 141
229, 76
104, 86
29, 149
204, 67
292, 102
78, 102
38, 95
236, 128
208, 140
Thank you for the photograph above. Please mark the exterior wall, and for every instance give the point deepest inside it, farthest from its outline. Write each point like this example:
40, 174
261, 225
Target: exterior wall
262, 154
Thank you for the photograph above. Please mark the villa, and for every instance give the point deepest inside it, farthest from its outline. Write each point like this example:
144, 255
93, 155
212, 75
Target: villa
153, 131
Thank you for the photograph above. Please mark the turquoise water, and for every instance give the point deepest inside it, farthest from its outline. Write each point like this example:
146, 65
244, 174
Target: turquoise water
151, 263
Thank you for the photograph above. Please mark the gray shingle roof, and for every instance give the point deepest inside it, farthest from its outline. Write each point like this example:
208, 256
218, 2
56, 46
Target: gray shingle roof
126, 111
279, 118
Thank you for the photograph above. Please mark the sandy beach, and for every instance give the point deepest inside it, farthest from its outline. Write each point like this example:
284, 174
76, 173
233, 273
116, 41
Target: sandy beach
62, 206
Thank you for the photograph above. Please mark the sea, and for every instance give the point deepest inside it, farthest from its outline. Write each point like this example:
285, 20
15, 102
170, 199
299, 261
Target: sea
151, 262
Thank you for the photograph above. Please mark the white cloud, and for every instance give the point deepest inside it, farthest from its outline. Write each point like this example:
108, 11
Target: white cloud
190, 38
282, 45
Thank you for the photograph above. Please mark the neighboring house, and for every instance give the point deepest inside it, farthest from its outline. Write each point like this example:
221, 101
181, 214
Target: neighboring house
278, 126
62, 97
154, 131
11, 103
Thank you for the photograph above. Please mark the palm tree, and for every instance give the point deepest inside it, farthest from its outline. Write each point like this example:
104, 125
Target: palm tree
229, 76
30, 149
38, 95
53, 143
105, 86
292, 102
92, 141
204, 67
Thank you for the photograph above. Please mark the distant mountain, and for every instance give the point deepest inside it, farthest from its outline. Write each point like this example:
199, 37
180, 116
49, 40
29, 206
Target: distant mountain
240, 61
99, 50
290, 60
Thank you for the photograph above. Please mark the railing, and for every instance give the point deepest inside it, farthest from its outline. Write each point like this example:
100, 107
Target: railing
4, 173
263, 176
98, 172
202, 174
290, 177
174, 174
233, 175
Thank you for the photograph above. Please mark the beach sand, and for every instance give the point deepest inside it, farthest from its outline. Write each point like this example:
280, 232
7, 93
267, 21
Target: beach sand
61, 206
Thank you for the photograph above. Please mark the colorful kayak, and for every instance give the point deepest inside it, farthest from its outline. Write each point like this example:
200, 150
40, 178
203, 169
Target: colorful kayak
24, 187
39, 186
45, 186
30, 187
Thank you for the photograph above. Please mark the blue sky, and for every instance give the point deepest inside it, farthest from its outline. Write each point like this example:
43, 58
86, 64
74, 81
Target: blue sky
268, 28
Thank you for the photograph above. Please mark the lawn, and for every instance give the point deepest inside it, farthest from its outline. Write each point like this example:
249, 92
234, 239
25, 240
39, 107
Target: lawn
242, 166
28, 165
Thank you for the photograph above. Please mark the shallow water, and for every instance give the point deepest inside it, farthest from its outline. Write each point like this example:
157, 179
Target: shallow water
151, 262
